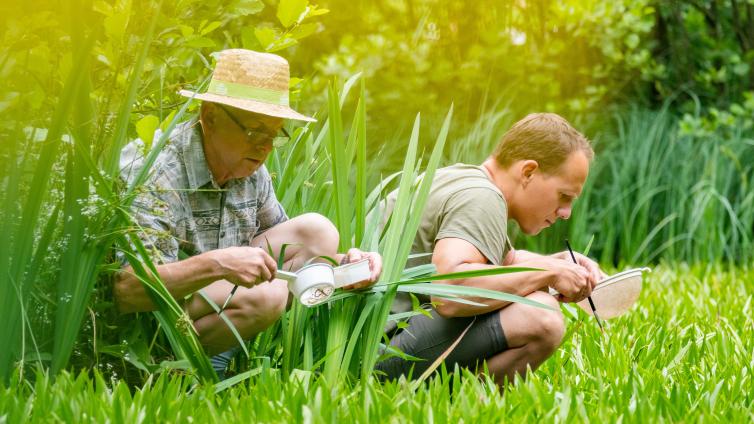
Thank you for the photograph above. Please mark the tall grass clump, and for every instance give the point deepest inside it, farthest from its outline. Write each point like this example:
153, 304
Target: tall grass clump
30, 231
87, 220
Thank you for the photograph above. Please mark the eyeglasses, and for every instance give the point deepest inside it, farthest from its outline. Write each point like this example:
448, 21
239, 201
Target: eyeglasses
259, 137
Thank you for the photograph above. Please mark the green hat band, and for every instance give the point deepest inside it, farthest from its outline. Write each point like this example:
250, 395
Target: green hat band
246, 92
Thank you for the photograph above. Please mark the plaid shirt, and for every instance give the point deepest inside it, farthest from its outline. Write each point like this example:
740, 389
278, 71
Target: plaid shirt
180, 207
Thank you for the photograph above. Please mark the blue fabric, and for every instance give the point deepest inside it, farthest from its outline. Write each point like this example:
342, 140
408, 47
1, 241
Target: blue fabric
428, 338
221, 361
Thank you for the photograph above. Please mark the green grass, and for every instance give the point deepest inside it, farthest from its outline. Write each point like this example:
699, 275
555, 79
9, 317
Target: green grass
684, 353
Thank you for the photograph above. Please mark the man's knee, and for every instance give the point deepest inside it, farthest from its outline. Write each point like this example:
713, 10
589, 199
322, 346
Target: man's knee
314, 229
547, 326
550, 323
262, 306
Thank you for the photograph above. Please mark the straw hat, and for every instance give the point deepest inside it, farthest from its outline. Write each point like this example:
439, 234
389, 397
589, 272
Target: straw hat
253, 81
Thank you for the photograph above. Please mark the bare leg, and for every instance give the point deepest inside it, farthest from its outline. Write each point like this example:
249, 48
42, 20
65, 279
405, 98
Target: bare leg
533, 334
254, 309
308, 236
251, 311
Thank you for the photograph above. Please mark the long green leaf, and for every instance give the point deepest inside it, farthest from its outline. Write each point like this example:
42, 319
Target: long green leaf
22, 235
465, 274
361, 167
226, 384
447, 289
226, 320
176, 324
401, 238
120, 136
342, 193
81, 260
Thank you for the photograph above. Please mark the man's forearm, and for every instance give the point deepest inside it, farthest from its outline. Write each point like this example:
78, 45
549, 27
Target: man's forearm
518, 283
181, 278
518, 256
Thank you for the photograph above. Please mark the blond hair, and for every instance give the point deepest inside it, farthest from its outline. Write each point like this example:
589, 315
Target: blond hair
544, 137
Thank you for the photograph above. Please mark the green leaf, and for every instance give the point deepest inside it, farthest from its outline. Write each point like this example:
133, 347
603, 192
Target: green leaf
343, 198
145, 129
115, 24
210, 27
249, 39
200, 42
290, 11
447, 290
223, 385
265, 36
304, 30
166, 122
186, 30
249, 7
226, 320
13, 287
467, 274
182, 364
317, 11
632, 41
101, 6
293, 82
7, 100
282, 43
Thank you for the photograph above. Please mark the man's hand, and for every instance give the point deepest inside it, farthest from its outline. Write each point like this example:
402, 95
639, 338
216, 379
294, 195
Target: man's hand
245, 266
375, 266
595, 273
572, 281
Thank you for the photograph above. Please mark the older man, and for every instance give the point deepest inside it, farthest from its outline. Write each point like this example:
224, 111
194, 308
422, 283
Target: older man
210, 197
533, 177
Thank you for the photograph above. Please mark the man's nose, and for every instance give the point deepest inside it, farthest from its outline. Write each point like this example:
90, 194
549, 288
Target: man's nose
564, 213
265, 147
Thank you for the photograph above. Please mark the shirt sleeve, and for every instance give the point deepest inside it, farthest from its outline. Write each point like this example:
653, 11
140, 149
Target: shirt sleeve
269, 211
479, 216
153, 220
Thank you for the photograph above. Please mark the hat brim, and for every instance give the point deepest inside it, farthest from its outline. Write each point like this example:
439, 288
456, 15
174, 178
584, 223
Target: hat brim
249, 105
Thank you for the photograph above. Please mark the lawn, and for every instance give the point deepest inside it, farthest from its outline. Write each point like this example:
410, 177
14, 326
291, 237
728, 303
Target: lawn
682, 354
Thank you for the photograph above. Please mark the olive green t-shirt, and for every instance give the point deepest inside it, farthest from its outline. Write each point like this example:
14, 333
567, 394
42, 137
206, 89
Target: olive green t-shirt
463, 203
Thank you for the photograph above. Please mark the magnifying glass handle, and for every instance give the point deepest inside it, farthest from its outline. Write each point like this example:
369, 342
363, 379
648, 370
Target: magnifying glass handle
591, 303
227, 299
594, 312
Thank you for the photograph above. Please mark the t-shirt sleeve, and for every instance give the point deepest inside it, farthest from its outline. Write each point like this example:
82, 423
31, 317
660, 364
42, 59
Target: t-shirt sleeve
269, 211
479, 216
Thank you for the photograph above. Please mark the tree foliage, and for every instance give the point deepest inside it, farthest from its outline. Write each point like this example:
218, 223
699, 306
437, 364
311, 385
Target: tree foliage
572, 57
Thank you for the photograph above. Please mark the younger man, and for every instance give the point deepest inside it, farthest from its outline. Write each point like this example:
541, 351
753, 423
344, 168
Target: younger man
533, 177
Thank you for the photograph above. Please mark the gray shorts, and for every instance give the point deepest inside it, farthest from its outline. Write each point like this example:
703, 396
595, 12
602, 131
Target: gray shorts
427, 338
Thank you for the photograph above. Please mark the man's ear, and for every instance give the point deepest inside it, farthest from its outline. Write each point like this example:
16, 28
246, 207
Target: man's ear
528, 168
208, 113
